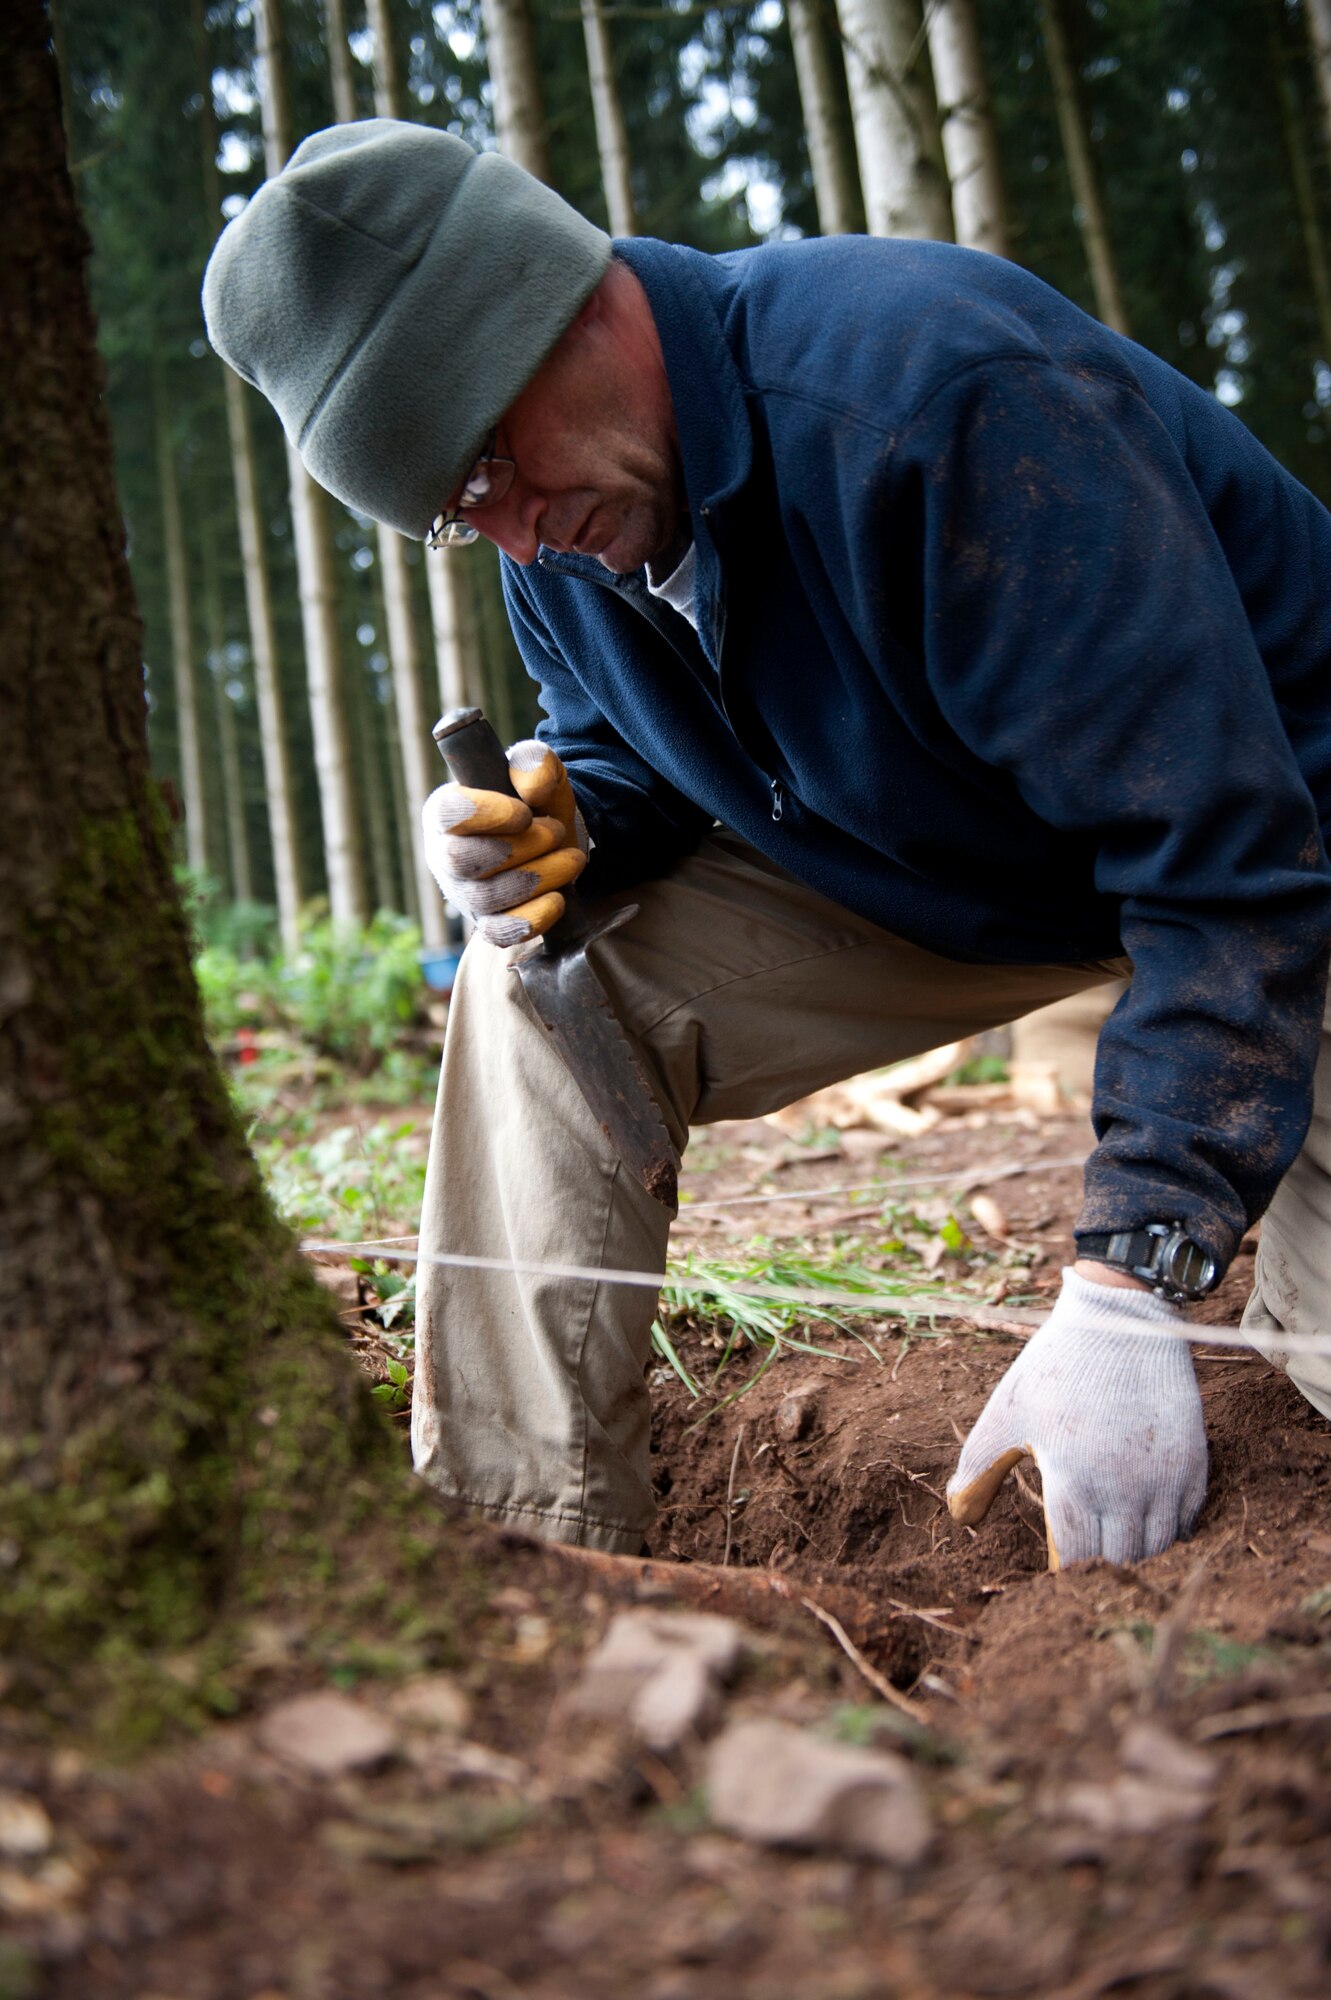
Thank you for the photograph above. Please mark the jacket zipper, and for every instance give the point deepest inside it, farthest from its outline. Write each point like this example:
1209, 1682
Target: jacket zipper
778, 798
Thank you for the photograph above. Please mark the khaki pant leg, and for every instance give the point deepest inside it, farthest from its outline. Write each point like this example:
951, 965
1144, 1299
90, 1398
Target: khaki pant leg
1064, 1037
742, 990
1292, 1281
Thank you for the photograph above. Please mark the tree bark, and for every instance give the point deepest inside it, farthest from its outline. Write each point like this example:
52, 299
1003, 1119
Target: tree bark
451, 620
1318, 14
228, 739
314, 563
412, 768
1301, 181
516, 81
612, 143
339, 62
177, 1409
896, 119
833, 179
970, 142
254, 560
1090, 209
182, 643
263, 651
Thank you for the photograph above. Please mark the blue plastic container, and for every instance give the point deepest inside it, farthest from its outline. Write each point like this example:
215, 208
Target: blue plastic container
440, 969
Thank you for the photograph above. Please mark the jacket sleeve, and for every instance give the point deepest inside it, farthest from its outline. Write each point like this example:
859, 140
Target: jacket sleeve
1082, 632
639, 823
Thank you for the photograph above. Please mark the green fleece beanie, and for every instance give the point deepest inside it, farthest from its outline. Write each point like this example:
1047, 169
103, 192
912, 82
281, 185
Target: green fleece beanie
390, 292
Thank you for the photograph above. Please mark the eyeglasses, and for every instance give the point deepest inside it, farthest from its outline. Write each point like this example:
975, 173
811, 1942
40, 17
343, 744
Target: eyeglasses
486, 483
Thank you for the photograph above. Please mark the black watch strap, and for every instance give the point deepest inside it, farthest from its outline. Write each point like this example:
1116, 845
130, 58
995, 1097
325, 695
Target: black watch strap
1161, 1254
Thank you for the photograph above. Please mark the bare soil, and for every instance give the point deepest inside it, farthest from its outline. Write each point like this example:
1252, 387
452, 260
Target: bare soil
220, 1874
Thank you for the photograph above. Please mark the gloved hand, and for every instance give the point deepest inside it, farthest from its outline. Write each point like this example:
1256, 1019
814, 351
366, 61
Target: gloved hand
1111, 1413
503, 861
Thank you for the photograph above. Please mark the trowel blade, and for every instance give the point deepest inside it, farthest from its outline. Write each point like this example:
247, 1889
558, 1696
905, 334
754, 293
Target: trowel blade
571, 1005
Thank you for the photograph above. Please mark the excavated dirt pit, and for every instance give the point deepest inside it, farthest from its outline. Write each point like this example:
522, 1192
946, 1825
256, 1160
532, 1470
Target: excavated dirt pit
832, 1471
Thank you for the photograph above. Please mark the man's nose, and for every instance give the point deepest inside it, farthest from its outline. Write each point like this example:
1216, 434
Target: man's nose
514, 525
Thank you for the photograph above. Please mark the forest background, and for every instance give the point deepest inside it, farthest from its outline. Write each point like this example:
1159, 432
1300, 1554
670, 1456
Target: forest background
1164, 163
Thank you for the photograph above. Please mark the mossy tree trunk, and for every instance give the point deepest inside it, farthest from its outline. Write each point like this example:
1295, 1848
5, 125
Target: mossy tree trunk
182, 1436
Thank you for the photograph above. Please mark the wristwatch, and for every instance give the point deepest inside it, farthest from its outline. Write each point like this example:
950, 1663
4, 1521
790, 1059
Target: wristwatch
1162, 1255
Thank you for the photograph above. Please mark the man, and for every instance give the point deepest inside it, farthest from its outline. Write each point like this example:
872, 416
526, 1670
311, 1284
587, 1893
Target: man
917, 652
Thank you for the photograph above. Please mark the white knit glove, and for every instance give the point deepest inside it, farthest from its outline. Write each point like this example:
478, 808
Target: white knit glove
503, 861
1111, 1413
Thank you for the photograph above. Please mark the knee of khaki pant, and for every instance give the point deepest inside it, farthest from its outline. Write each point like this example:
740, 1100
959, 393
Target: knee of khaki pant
1065, 1036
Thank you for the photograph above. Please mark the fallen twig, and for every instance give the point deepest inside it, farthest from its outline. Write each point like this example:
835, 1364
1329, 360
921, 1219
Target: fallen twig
878, 1682
730, 1496
1170, 1638
1264, 1715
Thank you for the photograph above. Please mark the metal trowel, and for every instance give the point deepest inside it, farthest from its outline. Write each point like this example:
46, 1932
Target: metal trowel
566, 995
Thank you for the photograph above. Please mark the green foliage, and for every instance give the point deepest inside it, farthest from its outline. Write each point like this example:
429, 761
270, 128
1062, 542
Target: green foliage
865, 1725
394, 1292
349, 1182
348, 993
395, 1393
244, 930
714, 1300
352, 992
981, 1069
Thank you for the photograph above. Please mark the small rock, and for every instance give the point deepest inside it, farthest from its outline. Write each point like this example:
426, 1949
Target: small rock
40, 1895
797, 1412
435, 1703
327, 1734
25, 1829
659, 1672
782, 1787
680, 1699
1160, 1756
467, 1763
1131, 1805
512, 1601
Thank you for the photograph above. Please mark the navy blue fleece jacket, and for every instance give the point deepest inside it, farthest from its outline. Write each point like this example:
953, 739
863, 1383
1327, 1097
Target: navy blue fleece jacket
1012, 640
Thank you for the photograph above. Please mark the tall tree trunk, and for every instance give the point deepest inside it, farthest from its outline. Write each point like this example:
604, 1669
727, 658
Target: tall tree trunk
254, 561
1318, 14
182, 641
452, 617
970, 142
612, 142
373, 781
406, 826
413, 767
314, 559
516, 80
833, 177
1301, 182
228, 737
339, 62
416, 746
177, 1410
1091, 220
896, 119
263, 651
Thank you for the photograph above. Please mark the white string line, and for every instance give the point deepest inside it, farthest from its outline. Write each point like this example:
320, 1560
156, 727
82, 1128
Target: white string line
889, 1304
972, 1178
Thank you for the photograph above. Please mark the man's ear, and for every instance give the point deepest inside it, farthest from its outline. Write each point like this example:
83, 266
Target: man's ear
593, 307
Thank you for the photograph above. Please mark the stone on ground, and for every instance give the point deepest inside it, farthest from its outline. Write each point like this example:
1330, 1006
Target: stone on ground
327, 1734
782, 1787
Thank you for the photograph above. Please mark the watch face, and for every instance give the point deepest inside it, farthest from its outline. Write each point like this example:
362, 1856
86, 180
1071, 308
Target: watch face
1186, 1266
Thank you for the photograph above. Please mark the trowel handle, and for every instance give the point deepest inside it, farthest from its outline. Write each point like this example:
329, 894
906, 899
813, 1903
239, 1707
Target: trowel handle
473, 753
